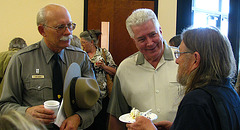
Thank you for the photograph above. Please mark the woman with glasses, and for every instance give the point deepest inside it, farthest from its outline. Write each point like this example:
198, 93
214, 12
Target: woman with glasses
89, 41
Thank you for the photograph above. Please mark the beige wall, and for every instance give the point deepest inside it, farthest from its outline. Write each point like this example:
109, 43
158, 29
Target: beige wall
167, 16
18, 18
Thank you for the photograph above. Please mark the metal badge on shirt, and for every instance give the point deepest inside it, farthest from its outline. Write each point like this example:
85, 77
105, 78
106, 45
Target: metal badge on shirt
37, 76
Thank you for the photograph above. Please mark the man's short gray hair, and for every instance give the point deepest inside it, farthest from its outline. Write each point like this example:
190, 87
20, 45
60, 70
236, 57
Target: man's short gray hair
41, 17
139, 17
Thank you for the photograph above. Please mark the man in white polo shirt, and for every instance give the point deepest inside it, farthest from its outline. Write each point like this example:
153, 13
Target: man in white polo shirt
146, 79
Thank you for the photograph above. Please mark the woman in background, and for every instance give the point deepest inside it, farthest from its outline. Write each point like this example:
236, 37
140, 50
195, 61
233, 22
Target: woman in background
76, 42
16, 121
89, 41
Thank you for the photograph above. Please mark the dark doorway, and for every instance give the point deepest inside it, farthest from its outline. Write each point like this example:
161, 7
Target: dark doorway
115, 12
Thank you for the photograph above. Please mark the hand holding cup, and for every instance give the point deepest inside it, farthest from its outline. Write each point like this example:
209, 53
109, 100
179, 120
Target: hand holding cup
100, 63
52, 105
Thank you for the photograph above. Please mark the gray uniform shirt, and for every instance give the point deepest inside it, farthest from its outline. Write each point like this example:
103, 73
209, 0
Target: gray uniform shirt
28, 79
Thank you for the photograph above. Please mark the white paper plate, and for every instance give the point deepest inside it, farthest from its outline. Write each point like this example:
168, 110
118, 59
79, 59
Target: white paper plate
126, 118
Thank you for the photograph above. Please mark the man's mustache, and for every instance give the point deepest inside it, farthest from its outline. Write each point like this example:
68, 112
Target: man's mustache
65, 38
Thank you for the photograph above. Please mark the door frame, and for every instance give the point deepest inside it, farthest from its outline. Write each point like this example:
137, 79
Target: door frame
85, 21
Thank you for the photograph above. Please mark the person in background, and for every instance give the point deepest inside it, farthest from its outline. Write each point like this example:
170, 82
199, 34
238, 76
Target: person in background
13, 120
237, 85
29, 76
175, 41
206, 61
15, 45
76, 42
147, 79
89, 40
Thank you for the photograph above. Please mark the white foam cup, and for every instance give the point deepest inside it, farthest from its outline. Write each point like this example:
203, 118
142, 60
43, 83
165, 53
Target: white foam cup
53, 105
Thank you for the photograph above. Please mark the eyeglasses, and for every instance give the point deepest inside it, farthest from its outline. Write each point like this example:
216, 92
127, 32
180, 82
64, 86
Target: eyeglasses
62, 27
177, 53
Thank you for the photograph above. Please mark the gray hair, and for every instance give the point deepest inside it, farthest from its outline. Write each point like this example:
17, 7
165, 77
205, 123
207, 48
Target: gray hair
16, 121
175, 40
76, 42
217, 59
139, 17
41, 15
17, 43
91, 35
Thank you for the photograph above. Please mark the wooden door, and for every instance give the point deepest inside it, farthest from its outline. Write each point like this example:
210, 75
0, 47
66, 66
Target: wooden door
115, 12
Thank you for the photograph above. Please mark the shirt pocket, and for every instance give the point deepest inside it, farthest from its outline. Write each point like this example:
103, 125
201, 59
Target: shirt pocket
39, 90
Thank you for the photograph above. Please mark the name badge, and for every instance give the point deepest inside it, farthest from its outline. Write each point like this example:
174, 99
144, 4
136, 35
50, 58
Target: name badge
38, 76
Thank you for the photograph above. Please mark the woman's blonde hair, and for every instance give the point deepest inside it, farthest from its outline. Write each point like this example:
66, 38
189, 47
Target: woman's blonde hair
13, 120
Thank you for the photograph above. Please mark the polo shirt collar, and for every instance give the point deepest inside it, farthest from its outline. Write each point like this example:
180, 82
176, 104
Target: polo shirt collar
168, 55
